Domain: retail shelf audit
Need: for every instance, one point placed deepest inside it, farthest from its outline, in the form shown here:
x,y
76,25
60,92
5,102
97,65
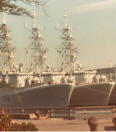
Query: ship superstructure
x,y
70,70
67,50
6,49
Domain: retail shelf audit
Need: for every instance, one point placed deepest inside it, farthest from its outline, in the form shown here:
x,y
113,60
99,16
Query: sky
x,y
93,24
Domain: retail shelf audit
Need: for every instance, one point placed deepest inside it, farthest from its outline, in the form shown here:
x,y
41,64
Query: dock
x,y
57,124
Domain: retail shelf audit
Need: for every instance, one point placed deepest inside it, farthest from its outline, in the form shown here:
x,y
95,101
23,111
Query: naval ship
x,y
38,87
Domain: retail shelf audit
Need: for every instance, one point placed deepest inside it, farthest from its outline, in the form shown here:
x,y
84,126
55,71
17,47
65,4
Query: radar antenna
x,y
65,19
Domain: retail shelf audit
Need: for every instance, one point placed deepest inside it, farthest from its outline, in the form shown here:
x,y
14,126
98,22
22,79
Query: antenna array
x,y
38,52
67,50
6,49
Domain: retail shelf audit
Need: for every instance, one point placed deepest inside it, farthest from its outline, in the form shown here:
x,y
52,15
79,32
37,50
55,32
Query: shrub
x,y
7,125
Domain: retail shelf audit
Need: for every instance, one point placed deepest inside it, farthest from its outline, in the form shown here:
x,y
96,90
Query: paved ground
x,y
68,125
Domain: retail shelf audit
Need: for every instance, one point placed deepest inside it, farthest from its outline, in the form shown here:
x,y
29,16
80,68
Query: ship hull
x,y
91,95
59,95
42,96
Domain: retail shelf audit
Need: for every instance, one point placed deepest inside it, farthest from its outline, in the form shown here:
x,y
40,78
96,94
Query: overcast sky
x,y
93,24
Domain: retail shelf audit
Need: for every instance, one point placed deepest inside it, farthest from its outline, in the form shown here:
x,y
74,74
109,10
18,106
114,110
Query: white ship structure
x,y
39,72
41,86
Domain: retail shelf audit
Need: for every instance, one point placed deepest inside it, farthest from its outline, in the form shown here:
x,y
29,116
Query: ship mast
x,y
67,50
38,52
6,49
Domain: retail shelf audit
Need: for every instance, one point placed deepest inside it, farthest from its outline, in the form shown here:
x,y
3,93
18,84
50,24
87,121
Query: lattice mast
x,y
67,50
6,49
38,52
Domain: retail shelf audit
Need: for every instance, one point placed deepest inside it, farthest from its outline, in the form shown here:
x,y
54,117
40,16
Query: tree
x,y
15,7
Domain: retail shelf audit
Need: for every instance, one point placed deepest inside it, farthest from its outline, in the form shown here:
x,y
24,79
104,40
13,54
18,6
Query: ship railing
x,y
82,113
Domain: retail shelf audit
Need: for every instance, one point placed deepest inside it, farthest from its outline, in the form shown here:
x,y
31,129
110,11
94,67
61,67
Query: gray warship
x,y
70,86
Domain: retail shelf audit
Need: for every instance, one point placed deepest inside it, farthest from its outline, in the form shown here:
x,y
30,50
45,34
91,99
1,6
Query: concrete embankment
x,y
68,125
